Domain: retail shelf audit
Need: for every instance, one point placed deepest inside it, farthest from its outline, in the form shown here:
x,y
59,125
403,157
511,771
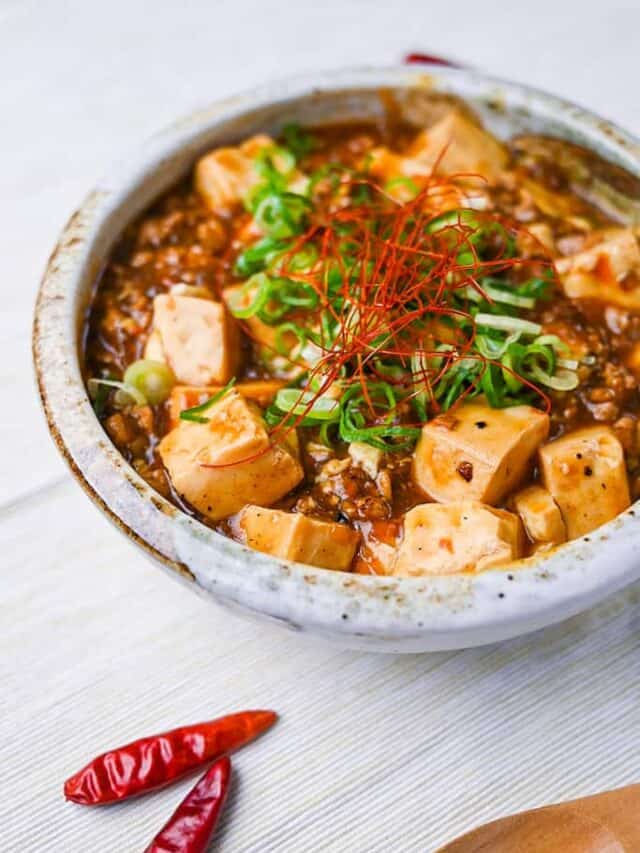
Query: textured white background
x,y
373,754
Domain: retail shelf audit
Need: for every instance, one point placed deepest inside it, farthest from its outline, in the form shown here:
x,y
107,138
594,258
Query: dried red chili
x,y
155,761
191,827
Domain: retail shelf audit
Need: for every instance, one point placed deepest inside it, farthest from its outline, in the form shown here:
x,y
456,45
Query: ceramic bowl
x,y
380,614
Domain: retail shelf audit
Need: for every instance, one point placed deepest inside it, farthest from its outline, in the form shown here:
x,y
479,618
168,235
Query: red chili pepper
x,y
155,761
191,827
428,59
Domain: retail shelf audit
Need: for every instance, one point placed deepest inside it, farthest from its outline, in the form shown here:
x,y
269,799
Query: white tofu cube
x,y
153,348
229,461
465,536
477,453
458,145
540,515
608,271
585,473
224,176
261,391
293,536
198,338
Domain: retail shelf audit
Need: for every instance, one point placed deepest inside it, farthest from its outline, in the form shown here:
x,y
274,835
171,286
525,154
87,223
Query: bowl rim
x,y
448,611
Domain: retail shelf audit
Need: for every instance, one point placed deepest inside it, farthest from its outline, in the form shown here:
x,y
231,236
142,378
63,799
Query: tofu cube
x,y
293,536
224,176
261,391
378,548
477,453
540,515
608,271
198,339
456,144
585,473
153,348
464,536
221,465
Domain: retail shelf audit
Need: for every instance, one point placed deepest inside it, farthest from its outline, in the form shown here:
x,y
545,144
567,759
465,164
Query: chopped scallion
x,y
195,413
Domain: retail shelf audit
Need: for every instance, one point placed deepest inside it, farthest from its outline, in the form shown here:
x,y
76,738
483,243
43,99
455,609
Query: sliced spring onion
x,y
494,348
552,341
419,368
510,371
99,396
299,141
562,380
498,294
489,384
153,379
543,356
129,393
290,329
410,187
274,158
451,219
281,215
461,376
195,413
296,402
255,258
251,297
311,354
384,436
507,324
568,363
304,260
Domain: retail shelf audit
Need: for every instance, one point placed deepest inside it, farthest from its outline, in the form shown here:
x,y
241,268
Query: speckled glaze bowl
x,y
379,614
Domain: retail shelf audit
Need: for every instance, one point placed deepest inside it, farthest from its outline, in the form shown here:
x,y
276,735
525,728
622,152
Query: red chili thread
x,y
399,263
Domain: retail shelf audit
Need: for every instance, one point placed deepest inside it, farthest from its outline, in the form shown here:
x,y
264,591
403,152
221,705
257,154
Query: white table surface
x,y
373,754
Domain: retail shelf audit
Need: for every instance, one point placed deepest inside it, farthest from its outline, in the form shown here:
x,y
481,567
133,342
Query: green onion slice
x,y
498,294
282,215
405,183
153,379
130,391
296,402
251,297
562,380
258,256
507,324
195,412
299,141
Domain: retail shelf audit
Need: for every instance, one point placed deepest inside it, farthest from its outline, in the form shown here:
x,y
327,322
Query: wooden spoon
x,y
604,823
